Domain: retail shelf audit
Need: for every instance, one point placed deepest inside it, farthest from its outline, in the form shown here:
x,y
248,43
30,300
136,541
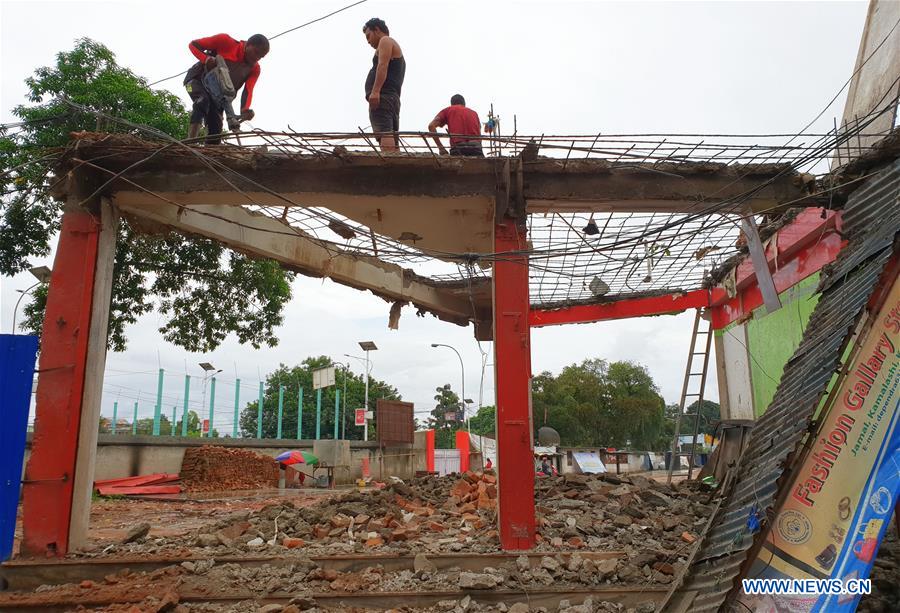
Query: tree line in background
x,y
602,404
592,404
145,425
297,377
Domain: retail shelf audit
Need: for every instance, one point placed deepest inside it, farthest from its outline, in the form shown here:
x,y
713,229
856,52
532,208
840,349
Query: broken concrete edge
x,y
625,185
405,278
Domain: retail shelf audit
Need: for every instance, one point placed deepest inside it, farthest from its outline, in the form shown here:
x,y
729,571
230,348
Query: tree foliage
x,y
597,403
296,377
202,291
484,421
448,402
709,416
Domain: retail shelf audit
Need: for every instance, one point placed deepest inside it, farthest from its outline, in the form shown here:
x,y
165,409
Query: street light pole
x,y
16,308
366,346
207,369
42,274
366,401
462,369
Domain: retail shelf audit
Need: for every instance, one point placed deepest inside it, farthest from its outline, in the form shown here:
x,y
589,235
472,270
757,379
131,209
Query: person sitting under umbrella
x,y
295,458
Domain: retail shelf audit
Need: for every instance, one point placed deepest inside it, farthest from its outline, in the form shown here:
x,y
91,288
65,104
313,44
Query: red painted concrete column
x,y
47,489
512,371
462,443
429,450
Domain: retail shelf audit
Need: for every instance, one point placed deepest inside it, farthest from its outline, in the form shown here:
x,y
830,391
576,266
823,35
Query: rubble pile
x,y
654,523
211,468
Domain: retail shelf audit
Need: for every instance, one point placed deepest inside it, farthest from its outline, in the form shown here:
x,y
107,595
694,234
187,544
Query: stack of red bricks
x,y
473,491
209,469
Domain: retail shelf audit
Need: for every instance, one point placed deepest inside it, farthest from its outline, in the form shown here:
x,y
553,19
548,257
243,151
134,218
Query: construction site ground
x,y
606,543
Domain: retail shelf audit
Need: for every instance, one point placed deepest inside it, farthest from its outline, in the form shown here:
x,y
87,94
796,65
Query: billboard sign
x,y
323,377
839,502
360,417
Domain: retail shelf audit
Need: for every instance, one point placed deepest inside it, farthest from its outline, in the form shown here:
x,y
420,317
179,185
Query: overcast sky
x,y
560,67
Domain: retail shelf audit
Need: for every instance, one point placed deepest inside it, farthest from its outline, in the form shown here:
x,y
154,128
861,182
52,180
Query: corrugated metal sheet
x,y
871,219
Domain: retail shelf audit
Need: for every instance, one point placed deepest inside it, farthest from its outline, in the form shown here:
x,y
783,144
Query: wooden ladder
x,y
704,339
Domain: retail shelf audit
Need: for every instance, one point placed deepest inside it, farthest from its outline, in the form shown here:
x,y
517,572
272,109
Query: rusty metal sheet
x,y
871,220
395,423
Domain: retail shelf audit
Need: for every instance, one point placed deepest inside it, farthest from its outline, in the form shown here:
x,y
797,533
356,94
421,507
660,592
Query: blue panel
x,y
17,356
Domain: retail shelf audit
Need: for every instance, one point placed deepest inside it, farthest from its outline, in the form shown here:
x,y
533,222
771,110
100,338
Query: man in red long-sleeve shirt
x,y
242,58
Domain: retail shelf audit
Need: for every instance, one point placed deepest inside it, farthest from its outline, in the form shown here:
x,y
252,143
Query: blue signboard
x,y
17,356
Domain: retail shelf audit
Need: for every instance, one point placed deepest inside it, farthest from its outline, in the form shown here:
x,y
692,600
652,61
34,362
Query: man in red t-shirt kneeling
x,y
463,126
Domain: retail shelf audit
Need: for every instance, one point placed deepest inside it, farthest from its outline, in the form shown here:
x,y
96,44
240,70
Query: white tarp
x,y
487,446
589,462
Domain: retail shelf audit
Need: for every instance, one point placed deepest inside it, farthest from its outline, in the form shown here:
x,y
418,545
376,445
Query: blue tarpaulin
x,y
17,356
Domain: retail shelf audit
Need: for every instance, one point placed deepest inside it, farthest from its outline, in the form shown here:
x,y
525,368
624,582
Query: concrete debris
x,y
646,520
478,581
421,564
137,532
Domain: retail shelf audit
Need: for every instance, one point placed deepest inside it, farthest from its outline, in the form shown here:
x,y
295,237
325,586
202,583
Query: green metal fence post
x,y
184,413
318,413
280,408
174,412
237,400
115,416
134,422
259,408
157,410
212,404
337,408
299,412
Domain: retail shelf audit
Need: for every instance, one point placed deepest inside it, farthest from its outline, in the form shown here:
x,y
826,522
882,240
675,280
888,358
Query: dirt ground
x,y
178,515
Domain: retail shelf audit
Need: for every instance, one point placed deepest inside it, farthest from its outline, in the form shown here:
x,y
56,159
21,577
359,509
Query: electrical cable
x,y
308,23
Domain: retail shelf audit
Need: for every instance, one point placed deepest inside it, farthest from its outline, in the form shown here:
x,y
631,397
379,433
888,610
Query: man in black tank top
x,y
383,84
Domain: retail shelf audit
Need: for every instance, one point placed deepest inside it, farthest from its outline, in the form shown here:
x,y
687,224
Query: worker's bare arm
x,y
436,123
385,50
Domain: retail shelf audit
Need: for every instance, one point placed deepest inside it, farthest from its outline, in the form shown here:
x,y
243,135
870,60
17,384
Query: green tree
x,y
445,429
293,378
598,403
202,291
194,428
484,421
709,416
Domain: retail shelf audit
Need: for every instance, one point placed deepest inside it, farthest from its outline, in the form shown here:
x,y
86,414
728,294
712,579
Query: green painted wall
x,y
773,338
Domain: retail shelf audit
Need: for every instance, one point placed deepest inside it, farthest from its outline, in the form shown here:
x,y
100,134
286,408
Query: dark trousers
x,y
467,149
205,111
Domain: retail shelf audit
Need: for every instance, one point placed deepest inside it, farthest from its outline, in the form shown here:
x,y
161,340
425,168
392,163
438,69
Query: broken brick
x,y
664,567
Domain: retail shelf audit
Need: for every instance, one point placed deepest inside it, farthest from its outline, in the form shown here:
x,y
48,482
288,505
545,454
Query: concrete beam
x,y
547,184
264,236
440,224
